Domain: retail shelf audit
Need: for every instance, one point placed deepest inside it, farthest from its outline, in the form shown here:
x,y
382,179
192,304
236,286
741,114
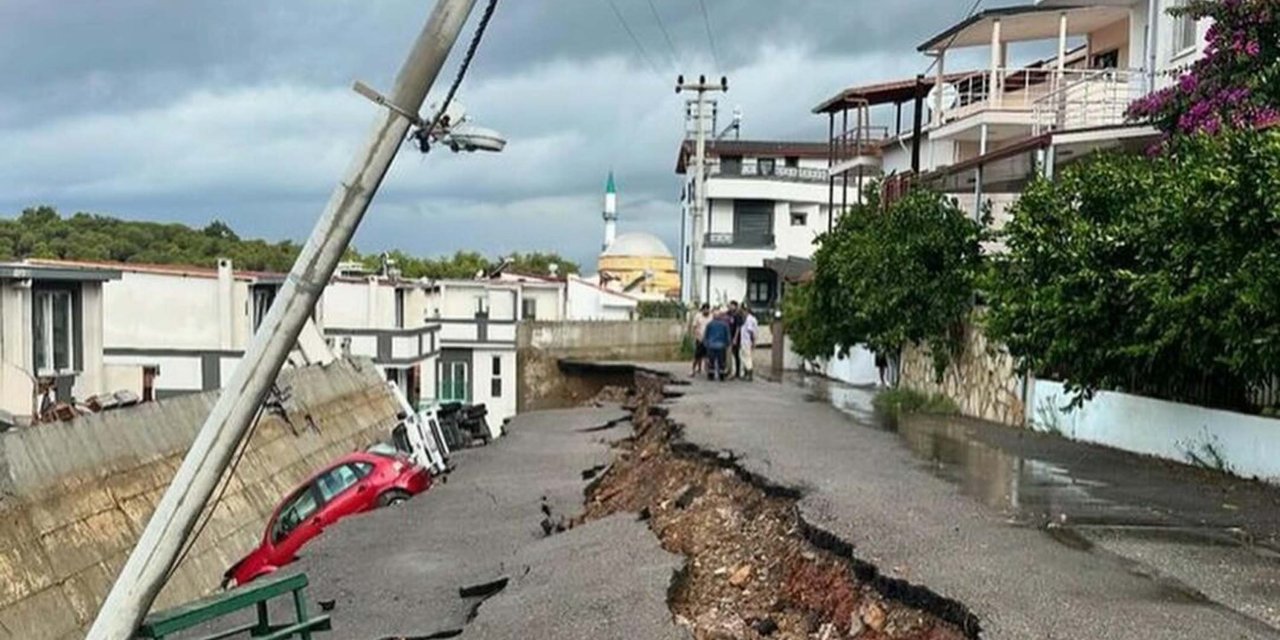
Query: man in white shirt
x,y
747,340
700,322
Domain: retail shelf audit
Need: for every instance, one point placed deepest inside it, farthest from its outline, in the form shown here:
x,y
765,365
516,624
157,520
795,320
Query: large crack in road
x,y
754,568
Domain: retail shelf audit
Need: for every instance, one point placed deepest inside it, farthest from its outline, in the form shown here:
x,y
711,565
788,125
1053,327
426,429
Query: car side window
x,y
363,469
335,481
299,508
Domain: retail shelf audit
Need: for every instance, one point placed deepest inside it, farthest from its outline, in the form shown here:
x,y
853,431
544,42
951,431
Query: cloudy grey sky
x,y
242,110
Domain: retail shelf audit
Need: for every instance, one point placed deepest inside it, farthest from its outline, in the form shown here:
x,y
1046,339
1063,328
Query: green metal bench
x,y
255,594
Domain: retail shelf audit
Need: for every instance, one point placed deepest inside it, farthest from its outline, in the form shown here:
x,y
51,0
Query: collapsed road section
x,y
753,567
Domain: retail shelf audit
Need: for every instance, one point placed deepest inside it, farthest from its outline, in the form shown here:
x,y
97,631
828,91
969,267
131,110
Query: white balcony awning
x,y
1022,24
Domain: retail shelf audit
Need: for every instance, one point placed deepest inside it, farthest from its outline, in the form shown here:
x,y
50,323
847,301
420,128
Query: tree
x,y
1154,275
885,279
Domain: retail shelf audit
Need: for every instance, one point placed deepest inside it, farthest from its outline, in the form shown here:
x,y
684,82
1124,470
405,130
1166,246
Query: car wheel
x,y
392,498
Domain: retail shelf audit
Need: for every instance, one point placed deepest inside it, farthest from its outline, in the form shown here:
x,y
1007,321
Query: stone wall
x,y
75,496
541,345
981,380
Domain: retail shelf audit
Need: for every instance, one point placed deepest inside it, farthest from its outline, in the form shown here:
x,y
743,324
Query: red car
x,y
353,484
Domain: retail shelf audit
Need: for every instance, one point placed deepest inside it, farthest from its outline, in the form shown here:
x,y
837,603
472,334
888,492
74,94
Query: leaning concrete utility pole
x,y
157,551
699,179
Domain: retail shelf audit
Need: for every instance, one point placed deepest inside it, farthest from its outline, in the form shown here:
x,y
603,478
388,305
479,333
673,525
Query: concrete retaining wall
x,y
75,496
980,380
540,345
1241,444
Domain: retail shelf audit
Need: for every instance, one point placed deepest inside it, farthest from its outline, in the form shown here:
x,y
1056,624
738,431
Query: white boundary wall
x,y
1248,445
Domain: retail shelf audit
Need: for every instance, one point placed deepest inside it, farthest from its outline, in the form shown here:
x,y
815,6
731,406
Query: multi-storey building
x,y
985,131
765,201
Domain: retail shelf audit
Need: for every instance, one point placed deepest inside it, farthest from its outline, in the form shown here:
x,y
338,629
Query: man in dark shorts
x,y
735,324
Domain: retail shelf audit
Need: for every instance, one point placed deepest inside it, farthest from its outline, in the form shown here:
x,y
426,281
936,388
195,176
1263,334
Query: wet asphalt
x,y
1040,537
397,572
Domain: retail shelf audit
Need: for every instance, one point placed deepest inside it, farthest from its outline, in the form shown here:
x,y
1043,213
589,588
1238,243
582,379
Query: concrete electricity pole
x,y
153,558
700,157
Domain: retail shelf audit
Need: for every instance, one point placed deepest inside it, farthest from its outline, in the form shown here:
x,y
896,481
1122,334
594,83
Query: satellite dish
x,y
950,96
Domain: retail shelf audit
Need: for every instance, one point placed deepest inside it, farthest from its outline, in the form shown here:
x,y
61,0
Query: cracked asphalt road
x,y
396,572
896,502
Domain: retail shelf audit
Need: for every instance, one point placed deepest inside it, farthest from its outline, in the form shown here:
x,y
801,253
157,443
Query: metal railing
x,y
774,172
735,241
1096,98
1074,97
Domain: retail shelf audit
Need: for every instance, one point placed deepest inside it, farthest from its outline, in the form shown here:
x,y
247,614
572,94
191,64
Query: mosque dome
x,y
638,245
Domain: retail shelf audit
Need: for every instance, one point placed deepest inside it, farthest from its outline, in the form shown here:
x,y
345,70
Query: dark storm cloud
x,y
241,109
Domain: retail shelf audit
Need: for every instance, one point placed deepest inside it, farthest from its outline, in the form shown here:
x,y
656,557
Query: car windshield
x,y
298,508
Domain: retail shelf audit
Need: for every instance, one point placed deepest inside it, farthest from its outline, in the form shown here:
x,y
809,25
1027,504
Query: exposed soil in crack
x,y
754,568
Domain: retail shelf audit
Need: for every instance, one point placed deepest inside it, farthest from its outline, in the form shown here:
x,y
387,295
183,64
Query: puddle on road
x,y
1081,487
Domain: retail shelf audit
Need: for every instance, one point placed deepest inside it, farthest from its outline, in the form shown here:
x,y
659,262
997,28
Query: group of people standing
x,y
724,338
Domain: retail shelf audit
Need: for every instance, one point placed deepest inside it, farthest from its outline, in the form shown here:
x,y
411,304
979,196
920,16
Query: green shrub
x,y
900,401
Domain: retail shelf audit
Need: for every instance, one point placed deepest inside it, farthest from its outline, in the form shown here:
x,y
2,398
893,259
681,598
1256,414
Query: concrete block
x,y
45,615
88,542
57,509
24,566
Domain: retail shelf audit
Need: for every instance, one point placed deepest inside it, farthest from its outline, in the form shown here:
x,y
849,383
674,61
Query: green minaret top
x,y
608,187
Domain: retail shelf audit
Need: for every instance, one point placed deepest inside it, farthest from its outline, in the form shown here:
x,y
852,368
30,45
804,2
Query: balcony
x,y
738,241
1088,98
1036,100
769,172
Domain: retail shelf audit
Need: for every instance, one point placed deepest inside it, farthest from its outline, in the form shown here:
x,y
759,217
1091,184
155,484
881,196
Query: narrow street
x,y
956,528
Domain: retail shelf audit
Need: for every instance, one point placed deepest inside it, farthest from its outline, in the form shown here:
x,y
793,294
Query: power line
x,y
706,21
626,27
666,36
424,135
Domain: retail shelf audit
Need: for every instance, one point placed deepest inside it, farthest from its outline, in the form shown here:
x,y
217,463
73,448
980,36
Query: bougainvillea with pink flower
x,y
1236,84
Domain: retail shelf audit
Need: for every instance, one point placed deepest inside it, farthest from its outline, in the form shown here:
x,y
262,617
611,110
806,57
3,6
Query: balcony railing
x,y
770,172
1096,98
1074,97
738,241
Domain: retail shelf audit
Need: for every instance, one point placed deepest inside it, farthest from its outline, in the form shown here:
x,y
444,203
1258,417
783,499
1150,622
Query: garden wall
x,y
981,379
75,496
1242,444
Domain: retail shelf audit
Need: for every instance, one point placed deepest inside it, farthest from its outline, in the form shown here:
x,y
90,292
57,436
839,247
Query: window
x,y
52,327
760,288
453,382
529,309
363,469
482,305
765,166
495,384
336,481
799,218
263,296
399,308
793,161
731,165
1105,60
299,508
1184,31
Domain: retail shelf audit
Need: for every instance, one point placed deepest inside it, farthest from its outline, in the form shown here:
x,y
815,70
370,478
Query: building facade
x,y
51,337
764,201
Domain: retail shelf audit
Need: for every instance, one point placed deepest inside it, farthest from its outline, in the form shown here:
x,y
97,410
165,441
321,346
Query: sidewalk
x,y
1040,537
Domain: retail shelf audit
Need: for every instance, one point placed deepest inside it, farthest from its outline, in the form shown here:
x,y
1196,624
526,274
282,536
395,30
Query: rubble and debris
x,y
753,568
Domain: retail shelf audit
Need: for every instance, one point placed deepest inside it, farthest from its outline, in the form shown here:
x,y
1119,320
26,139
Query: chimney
x,y
226,304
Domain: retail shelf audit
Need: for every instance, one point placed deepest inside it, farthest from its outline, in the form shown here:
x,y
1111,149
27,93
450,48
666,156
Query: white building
x,y
764,201
51,336
991,127
587,300
477,319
